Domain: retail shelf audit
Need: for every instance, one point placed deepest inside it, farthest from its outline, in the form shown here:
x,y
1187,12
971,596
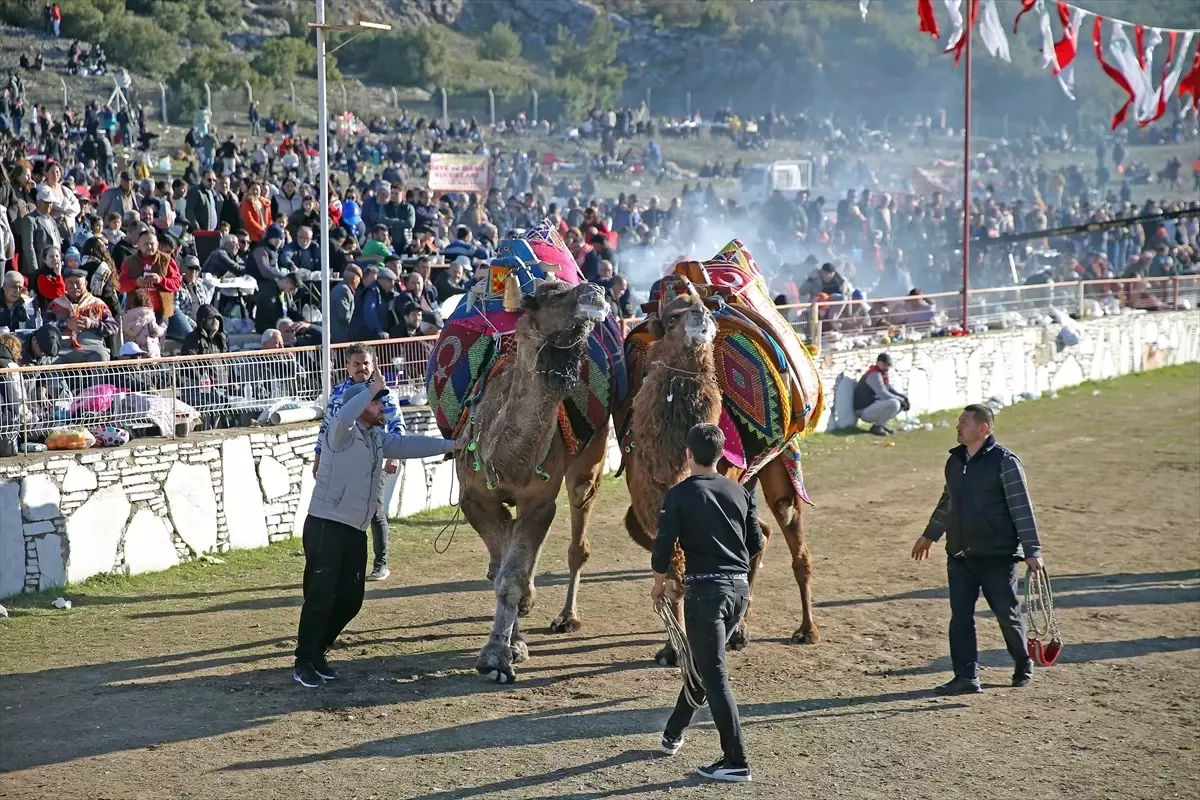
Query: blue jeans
x,y
997,579
712,610
179,325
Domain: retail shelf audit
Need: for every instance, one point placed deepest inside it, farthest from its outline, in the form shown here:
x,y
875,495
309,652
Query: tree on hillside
x,y
500,43
587,74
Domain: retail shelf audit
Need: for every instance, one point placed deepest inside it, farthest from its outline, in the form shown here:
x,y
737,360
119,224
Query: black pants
x,y
335,562
711,612
997,578
379,532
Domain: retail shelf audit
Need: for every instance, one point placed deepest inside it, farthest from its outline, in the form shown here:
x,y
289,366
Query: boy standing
x,y
715,522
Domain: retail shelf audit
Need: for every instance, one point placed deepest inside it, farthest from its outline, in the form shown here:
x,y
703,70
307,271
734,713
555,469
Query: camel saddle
x,y
478,340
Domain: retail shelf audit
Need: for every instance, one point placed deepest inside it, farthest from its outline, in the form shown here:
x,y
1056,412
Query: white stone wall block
x,y
12,542
39,498
242,497
52,565
148,545
275,479
93,532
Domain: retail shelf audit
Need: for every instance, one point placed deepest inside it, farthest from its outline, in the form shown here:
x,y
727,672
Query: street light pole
x,y
323,161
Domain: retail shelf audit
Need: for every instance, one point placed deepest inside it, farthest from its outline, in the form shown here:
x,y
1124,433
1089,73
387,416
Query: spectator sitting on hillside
x,y
452,280
85,318
464,245
919,312
50,284
302,253
833,283
224,260
620,298
298,334
154,270
139,325
14,313
378,247
410,320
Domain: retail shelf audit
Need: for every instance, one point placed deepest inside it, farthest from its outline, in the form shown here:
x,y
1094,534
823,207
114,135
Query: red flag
x,y
957,47
1026,7
1064,48
1112,72
1139,34
1191,83
928,22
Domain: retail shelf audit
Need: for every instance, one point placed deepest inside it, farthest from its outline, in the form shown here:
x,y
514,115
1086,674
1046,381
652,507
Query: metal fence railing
x,y
175,395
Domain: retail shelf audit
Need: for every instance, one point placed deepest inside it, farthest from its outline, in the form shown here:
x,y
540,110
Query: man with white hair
x,y
272,339
14,314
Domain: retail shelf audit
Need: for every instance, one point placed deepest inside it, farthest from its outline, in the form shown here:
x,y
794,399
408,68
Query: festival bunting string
x,y
1130,65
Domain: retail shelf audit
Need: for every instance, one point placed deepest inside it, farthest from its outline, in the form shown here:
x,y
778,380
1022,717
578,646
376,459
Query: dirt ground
x,y
178,685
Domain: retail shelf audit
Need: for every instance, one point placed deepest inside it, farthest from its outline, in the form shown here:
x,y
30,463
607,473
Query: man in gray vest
x,y
354,446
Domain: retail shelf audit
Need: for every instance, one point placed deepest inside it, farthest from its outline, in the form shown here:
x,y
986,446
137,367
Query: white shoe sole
x,y
669,751
723,777
296,677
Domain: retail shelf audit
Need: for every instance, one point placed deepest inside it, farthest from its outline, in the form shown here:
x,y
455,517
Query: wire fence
x,y
176,395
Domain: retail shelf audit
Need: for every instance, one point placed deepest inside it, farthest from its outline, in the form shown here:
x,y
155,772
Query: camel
x,y
518,460
680,390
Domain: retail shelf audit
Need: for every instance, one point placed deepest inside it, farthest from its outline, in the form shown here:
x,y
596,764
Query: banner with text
x,y
456,172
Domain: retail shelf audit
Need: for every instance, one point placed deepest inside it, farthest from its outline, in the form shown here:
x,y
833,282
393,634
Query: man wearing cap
x,y
344,501
38,232
193,292
875,401
154,270
341,304
118,199
85,318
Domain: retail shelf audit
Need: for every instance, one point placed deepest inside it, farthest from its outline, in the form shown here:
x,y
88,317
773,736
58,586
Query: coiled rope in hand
x,y
693,689
1041,620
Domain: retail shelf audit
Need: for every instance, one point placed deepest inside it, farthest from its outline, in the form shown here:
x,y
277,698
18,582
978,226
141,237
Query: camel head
x,y
686,320
558,321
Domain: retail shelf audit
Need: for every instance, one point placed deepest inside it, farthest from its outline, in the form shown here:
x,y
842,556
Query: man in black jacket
x,y
715,522
987,518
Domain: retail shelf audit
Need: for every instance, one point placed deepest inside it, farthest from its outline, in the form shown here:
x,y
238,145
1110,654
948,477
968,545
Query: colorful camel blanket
x,y
771,390
479,338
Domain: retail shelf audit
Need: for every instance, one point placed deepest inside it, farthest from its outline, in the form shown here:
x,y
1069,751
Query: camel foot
x,y
666,657
520,651
808,635
491,575
496,660
566,623
739,639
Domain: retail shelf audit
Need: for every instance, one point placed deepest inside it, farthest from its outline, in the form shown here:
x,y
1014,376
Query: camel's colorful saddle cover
x,y
479,333
771,389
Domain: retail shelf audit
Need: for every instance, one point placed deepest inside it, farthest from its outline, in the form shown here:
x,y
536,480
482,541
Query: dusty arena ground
x,y
178,685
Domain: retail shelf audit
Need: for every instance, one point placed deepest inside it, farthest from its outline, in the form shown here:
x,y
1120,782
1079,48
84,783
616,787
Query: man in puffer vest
x,y
354,446
987,518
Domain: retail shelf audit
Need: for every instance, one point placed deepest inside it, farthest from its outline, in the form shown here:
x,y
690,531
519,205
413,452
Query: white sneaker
x,y
379,574
670,746
720,771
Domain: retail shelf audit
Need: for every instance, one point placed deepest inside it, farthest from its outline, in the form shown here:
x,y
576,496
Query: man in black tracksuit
x,y
715,522
988,521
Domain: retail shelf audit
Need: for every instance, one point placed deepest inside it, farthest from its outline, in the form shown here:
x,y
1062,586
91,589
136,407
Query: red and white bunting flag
x,y
991,32
958,40
862,8
1175,62
927,21
1026,7
1066,48
1049,60
1124,71
1189,85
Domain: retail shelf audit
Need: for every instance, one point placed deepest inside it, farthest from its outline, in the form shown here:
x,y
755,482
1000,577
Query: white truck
x,y
760,180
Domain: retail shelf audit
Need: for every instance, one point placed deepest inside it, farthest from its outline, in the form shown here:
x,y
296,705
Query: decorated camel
x,y
530,366
713,349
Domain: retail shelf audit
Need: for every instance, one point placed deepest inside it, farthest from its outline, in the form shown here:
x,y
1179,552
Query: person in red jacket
x,y
49,284
153,270
256,212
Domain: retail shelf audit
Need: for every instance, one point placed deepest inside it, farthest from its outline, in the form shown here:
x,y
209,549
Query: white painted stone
x,y
39,498
148,546
413,490
93,532
12,542
307,484
241,495
38,528
193,505
442,483
1069,373
275,479
50,561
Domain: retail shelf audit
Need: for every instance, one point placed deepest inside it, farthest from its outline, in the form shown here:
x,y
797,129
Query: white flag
x,y
1125,60
1167,90
1066,75
1049,59
991,32
862,7
954,9
1148,105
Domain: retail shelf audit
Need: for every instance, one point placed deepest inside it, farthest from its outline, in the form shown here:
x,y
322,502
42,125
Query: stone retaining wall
x,y
65,517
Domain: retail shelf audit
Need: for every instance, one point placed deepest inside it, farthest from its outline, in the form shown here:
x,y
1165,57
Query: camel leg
x,y
788,510
741,634
514,587
516,643
491,519
583,483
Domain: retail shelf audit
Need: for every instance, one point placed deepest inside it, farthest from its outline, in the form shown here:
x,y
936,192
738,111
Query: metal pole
x,y
64,91
395,98
345,100
689,105
323,161
535,106
492,107
445,107
249,93
293,94
966,248
647,101
207,97
162,94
